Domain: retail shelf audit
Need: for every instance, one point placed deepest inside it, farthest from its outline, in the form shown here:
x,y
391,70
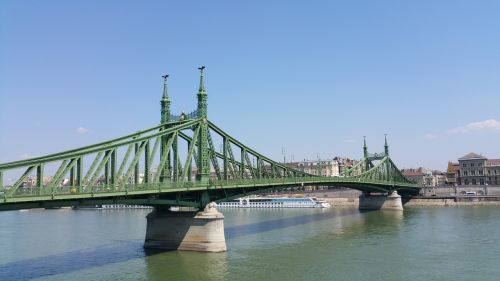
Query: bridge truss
x,y
185,161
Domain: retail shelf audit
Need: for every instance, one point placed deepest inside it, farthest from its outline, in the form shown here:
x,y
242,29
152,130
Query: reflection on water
x,y
70,261
373,223
280,222
178,265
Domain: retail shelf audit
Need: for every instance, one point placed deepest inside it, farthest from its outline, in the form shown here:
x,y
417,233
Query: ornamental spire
x,y
202,96
365,148
203,161
165,102
202,82
386,146
165,90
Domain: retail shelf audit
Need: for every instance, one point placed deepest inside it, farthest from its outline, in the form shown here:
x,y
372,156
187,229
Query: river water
x,y
263,244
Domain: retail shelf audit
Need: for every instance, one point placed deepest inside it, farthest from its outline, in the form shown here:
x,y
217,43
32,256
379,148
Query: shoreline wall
x,y
419,202
453,202
446,197
352,200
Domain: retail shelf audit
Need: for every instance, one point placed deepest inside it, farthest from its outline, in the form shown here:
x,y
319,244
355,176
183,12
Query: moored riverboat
x,y
275,202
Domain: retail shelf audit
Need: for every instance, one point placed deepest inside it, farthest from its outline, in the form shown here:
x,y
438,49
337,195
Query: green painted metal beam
x,y
132,166
39,175
132,138
187,164
90,171
165,156
97,172
20,181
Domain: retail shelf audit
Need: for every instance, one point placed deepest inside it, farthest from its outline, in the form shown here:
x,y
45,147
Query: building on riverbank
x,y
452,173
425,177
324,167
476,169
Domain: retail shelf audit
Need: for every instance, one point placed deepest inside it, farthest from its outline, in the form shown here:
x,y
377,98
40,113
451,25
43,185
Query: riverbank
x,y
468,201
350,199
422,202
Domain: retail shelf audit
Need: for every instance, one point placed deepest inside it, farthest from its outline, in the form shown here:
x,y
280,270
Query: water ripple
x,y
71,261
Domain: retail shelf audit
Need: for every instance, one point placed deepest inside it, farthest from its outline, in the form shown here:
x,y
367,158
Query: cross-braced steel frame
x,y
174,163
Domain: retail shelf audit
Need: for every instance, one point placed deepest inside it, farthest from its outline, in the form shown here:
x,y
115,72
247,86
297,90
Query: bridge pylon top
x,y
201,90
386,146
375,156
165,84
202,96
365,148
165,101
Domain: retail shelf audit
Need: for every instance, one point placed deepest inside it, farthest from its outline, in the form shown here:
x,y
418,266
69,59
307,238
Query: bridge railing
x,y
194,185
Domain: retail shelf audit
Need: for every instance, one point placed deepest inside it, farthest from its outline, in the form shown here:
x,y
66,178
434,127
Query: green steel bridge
x,y
175,163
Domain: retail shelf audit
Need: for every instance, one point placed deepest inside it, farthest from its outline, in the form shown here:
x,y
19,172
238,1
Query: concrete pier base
x,y
186,231
381,202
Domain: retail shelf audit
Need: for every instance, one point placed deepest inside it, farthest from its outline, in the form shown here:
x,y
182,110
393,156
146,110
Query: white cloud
x,y
490,125
431,136
81,130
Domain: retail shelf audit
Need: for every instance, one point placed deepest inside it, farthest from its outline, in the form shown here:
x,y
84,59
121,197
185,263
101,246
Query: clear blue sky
x,y
311,77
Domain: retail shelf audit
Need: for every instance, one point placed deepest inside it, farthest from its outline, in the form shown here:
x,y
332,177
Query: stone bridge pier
x,y
201,231
392,201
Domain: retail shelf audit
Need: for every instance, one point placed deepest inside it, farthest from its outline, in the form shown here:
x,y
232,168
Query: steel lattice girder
x,y
235,178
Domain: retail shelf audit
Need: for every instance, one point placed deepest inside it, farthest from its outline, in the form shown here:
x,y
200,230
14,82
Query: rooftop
x,y
472,155
493,162
414,172
452,167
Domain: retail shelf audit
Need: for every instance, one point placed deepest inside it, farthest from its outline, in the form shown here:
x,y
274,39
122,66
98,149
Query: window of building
x,y
472,173
465,173
481,182
464,165
466,182
472,164
473,181
479,164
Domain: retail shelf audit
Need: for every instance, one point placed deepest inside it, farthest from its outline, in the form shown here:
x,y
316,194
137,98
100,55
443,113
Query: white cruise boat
x,y
112,206
275,202
124,206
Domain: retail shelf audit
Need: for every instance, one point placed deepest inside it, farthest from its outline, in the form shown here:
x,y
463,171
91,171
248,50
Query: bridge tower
x,y
201,230
386,154
365,155
203,172
165,118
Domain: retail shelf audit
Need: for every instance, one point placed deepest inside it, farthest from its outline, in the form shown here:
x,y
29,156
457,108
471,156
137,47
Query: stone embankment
x,y
453,201
423,202
438,197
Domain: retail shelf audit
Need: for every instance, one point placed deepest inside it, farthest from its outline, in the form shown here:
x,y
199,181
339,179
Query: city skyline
x,y
310,79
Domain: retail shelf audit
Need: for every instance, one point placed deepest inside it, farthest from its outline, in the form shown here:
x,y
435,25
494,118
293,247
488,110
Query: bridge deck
x,y
173,193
